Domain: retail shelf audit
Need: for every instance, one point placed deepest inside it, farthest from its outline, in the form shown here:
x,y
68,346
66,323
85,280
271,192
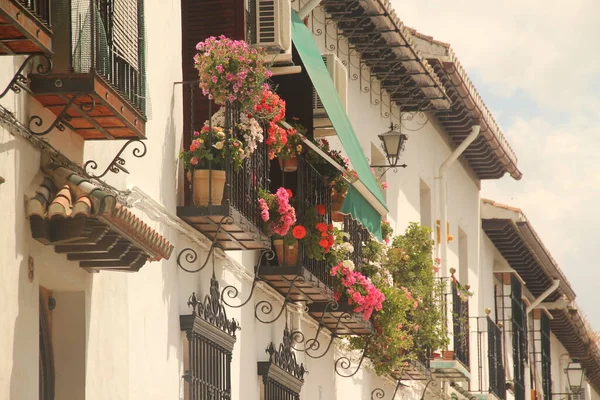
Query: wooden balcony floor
x,y
306,286
21,32
239,235
110,117
336,323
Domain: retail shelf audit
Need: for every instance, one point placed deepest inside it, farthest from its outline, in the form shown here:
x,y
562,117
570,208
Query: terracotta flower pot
x,y
202,177
448,355
291,252
336,205
289,164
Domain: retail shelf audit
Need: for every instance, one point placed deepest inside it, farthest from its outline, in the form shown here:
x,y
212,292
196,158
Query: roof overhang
x,y
490,156
379,37
516,240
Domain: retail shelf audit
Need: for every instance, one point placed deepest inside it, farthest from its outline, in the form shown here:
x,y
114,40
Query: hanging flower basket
x,y
230,70
287,253
289,164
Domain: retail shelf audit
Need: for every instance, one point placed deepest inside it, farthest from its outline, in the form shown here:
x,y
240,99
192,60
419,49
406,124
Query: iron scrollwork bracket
x,y
232,292
117,164
62,119
19,81
265,307
379,393
190,256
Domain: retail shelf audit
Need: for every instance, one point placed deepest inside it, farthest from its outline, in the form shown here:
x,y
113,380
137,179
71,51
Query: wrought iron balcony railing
x,y
357,235
488,343
39,8
460,325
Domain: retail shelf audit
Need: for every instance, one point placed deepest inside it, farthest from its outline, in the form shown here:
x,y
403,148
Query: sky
x,y
536,63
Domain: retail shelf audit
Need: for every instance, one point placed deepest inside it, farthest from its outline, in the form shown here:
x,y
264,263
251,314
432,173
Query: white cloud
x,y
544,51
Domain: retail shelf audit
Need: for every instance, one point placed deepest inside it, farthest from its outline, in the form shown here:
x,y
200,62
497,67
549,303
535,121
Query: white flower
x,y
349,264
347,247
218,145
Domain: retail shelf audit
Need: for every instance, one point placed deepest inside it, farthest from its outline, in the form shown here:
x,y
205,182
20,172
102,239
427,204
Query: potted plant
x,y
358,291
230,70
205,162
286,246
279,216
320,236
288,155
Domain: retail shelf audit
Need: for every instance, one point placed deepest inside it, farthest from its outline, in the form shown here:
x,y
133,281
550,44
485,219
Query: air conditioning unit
x,y
339,76
274,30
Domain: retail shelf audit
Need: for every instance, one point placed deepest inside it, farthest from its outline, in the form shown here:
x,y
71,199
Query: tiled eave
x,y
516,240
573,331
90,226
490,156
374,31
518,253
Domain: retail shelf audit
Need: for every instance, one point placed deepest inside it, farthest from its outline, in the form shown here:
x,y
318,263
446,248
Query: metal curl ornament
x,y
19,81
266,308
344,363
117,164
191,256
379,393
233,292
59,123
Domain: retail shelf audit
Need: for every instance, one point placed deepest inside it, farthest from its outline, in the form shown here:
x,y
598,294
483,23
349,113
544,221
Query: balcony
x,y
97,84
25,27
309,279
454,365
233,221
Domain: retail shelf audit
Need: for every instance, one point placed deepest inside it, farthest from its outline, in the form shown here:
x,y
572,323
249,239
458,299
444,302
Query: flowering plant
x,y
277,138
246,128
230,70
409,260
359,290
293,147
386,231
320,236
210,148
271,107
275,209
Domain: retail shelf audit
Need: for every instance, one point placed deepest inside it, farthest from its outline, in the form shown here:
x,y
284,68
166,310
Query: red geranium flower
x,y
321,209
299,232
321,227
324,243
289,193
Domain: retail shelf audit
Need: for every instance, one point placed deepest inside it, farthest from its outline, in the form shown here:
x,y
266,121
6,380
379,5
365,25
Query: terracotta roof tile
x,y
79,197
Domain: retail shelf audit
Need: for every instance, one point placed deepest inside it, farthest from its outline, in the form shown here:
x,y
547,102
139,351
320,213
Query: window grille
x,y
546,362
282,375
211,336
497,377
519,337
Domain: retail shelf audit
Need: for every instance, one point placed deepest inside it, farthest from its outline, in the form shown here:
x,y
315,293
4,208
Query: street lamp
x,y
392,143
574,373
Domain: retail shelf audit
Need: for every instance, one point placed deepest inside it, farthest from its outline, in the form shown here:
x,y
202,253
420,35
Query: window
x,y
496,368
546,363
463,257
519,337
460,314
46,383
425,204
282,376
210,338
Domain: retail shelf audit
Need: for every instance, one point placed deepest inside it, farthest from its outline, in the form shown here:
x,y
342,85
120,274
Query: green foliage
x,y
410,262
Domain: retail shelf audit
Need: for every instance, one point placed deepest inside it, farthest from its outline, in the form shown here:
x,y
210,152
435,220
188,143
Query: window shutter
x,y
126,31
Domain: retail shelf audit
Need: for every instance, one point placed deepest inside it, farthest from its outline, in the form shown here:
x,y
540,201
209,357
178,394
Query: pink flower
x,y
400,325
214,79
415,305
196,133
417,327
193,161
384,185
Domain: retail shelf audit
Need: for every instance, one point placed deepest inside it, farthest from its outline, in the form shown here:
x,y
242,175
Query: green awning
x,y
356,203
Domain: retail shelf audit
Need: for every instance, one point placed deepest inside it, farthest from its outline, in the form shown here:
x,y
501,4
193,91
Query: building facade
x,y
116,285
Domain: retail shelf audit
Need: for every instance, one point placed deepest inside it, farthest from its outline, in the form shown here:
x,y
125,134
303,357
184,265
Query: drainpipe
x,y
308,7
443,193
543,296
